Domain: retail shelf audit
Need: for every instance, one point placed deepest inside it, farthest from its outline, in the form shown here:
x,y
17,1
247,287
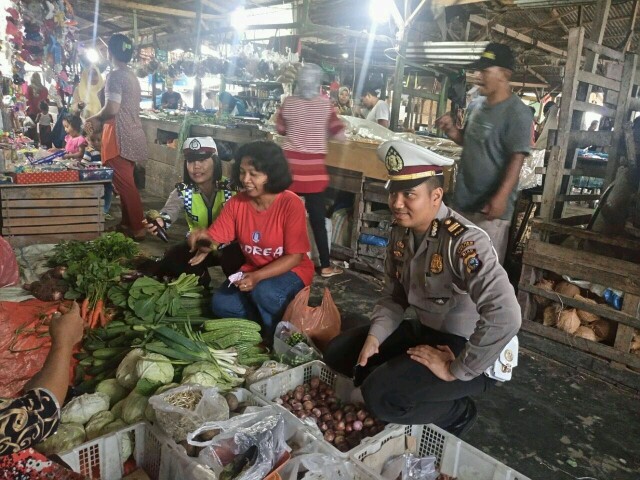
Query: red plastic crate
x,y
45,177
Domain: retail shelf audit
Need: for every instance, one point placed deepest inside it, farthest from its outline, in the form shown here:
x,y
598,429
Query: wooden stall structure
x,y
51,212
543,259
562,166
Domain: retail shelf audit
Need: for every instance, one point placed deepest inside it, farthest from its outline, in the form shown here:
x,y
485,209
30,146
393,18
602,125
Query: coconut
x,y
545,285
568,320
567,289
586,317
635,345
586,333
551,314
603,329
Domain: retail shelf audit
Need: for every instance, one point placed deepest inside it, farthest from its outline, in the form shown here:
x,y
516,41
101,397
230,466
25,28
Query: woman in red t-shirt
x,y
269,223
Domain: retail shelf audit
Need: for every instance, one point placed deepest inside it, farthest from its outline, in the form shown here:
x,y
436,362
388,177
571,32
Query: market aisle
x,y
590,427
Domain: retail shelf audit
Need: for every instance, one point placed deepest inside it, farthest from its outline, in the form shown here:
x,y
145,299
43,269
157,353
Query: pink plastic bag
x,y
9,273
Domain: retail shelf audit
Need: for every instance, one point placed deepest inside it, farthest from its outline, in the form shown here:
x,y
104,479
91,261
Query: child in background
x,y
75,143
44,120
92,157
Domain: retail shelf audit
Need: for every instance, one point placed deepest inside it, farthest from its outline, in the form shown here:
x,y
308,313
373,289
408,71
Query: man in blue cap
x,y
496,138
417,372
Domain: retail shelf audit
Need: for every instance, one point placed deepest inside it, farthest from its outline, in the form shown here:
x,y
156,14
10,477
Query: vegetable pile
x,y
344,425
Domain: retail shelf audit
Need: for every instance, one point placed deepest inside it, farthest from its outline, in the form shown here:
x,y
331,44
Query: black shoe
x,y
465,421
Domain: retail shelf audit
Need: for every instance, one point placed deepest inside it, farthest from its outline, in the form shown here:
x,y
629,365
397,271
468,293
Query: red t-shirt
x,y
266,236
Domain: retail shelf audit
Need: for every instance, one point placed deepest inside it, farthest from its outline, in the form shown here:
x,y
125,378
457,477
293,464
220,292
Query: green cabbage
x,y
112,388
197,367
133,408
114,426
126,446
117,409
82,408
150,413
126,372
68,436
154,368
96,424
201,378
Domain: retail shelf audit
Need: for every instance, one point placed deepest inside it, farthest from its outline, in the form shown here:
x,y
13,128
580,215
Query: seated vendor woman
x,y
35,416
269,223
200,198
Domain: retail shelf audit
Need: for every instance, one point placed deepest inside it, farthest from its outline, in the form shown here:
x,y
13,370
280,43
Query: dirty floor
x,y
550,422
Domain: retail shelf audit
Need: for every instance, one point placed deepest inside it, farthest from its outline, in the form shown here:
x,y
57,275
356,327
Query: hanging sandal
x,y
333,272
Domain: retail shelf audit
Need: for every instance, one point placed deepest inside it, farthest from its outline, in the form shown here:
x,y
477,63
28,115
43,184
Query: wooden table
x,y
51,212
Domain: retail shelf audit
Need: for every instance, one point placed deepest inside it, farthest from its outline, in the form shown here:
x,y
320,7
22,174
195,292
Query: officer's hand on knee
x,y
369,349
435,359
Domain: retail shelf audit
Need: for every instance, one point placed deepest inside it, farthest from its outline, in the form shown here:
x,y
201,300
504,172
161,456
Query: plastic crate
x,y
275,386
454,457
100,457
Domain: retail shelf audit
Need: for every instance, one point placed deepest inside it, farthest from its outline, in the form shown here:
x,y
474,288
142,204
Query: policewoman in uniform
x,y
200,199
418,372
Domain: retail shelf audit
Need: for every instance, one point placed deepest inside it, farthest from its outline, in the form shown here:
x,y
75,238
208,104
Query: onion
x,y
339,439
349,408
586,333
337,415
299,388
568,321
329,436
545,285
308,405
324,410
327,417
350,417
551,315
357,425
567,289
369,422
306,397
324,427
329,392
361,414
316,412
348,428
314,382
583,315
603,329
297,406
313,392
340,425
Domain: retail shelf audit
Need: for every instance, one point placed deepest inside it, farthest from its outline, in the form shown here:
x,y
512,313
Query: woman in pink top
x,y
268,222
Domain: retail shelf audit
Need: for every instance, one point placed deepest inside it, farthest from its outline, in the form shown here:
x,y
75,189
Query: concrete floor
x,y
550,422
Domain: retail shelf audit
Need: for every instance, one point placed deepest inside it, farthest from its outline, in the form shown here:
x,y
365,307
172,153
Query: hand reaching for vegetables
x,y
68,328
435,359
369,349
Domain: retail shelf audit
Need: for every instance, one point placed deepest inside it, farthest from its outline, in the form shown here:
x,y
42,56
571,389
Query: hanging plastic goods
x,y
613,297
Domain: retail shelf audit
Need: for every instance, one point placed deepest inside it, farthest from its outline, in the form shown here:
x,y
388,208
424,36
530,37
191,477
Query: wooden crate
x,y
373,221
50,213
541,259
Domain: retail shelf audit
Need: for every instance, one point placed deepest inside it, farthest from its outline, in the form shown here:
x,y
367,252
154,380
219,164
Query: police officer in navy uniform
x,y
424,371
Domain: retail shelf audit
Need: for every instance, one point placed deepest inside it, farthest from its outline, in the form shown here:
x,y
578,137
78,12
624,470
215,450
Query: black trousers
x,y
314,203
397,389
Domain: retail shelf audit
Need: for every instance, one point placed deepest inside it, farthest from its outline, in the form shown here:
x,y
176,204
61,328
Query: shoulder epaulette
x,y
454,227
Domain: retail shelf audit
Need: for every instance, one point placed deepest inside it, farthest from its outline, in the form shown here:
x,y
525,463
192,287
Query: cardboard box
x,y
63,176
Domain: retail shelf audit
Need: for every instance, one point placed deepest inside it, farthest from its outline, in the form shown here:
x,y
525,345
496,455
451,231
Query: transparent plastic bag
x,y
416,468
528,176
266,370
178,421
294,355
265,431
317,466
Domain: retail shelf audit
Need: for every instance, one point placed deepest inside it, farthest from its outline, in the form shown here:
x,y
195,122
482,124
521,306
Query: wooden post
x,y
197,89
555,169
444,90
622,115
591,59
398,84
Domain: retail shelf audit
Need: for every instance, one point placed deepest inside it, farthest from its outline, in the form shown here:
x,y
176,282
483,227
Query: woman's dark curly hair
x,y
268,158
75,121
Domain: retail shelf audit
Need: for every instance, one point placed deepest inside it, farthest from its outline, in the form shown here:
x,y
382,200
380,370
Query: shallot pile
x,y
344,424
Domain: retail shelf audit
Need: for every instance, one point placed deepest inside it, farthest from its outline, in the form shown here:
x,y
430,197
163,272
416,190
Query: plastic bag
x,y
297,354
318,466
177,421
321,323
9,273
416,468
528,176
265,432
266,370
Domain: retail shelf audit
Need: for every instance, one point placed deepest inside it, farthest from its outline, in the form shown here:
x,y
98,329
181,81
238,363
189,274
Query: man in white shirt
x,y
378,109
210,103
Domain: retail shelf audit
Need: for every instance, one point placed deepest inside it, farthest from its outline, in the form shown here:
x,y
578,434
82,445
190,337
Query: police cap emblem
x,y
393,161
194,144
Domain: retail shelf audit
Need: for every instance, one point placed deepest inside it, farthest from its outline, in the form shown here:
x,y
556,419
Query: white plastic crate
x,y
100,458
277,385
454,457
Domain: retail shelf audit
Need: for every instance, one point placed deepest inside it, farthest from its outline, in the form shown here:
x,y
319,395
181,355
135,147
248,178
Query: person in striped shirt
x,y
308,120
